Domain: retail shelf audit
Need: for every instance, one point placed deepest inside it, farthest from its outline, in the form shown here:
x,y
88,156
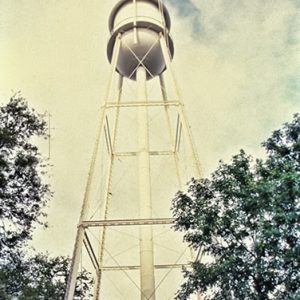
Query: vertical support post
x,y
71,284
135,37
181,111
175,155
107,193
146,234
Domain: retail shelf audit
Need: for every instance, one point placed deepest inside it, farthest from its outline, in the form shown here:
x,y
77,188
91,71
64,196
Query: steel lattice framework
x,y
140,50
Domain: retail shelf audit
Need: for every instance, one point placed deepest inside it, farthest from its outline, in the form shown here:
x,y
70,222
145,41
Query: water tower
x,y
140,51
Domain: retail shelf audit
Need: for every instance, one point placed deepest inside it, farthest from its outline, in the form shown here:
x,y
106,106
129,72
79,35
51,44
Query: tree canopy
x,y
40,277
22,191
23,196
245,222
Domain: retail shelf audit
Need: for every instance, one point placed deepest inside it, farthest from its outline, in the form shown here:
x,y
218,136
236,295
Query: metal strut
x,y
173,143
181,111
71,284
146,234
108,190
182,114
127,222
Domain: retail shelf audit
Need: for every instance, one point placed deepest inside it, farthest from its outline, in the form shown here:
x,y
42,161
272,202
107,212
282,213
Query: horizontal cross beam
x,y
141,103
133,268
152,153
127,222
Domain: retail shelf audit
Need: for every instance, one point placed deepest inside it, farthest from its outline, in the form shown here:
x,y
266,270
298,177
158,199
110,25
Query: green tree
x,y
245,220
40,277
22,192
23,195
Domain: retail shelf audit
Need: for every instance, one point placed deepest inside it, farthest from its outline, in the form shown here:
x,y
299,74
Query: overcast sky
x,y
237,63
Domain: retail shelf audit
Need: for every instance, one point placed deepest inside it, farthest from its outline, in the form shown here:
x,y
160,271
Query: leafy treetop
x,y
245,221
23,196
22,191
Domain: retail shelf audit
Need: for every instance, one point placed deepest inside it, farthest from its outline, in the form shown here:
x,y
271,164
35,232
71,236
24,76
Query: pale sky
x,y
237,63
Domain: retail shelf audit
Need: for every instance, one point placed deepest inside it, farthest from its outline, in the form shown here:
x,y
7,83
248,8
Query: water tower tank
x,y
140,23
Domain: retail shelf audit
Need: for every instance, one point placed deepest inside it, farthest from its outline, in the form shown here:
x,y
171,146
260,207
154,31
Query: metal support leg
x,y
182,113
107,194
175,155
69,295
146,234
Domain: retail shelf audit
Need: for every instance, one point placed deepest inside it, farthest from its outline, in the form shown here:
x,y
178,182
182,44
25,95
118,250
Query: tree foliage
x,y
40,277
246,221
23,195
22,192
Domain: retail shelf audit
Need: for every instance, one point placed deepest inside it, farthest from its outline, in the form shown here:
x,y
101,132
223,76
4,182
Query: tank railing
x,y
139,19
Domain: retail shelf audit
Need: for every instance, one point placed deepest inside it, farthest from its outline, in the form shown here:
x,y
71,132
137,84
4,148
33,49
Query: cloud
x,y
242,71
187,9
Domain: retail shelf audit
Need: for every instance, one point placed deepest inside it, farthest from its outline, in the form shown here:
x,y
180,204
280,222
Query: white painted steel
x,y
145,11
146,234
107,194
128,222
181,111
140,22
138,103
131,268
171,134
142,47
86,200
139,49
182,114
